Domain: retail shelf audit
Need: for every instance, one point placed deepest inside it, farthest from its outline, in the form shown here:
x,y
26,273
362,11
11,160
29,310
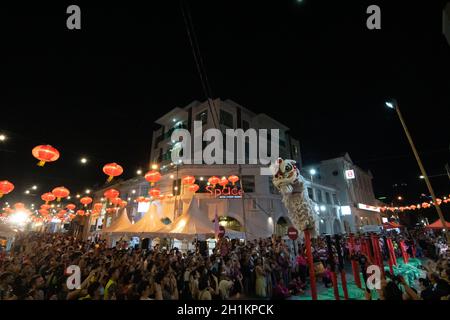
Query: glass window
x,y
335,199
327,197
245,125
226,119
202,116
311,194
248,183
319,195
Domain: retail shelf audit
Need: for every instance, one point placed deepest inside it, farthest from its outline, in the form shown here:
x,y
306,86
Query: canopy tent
x,y
149,223
192,223
121,223
438,225
6,231
391,225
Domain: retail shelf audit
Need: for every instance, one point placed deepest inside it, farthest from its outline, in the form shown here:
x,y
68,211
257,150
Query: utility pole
x,y
422,169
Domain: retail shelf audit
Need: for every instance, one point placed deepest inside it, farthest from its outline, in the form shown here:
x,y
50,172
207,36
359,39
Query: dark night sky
x,y
313,66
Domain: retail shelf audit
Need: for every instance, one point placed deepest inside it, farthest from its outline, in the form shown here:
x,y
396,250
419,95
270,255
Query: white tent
x,y
118,225
149,223
192,223
6,231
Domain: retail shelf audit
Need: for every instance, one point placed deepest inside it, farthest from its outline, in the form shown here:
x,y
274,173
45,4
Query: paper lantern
x,y
152,176
140,199
123,204
438,201
5,187
213,181
45,153
86,200
115,201
61,213
98,206
19,206
223,182
112,170
71,206
233,179
48,197
111,193
43,212
413,207
188,180
71,216
60,192
193,188
45,207
154,192
80,212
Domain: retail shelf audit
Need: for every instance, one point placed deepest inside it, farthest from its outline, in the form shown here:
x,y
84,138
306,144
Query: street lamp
x,y
139,171
392,104
2,137
312,173
83,160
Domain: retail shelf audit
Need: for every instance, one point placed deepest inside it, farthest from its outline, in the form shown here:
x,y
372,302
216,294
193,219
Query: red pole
x,y
404,254
355,268
344,284
379,253
335,285
391,249
312,276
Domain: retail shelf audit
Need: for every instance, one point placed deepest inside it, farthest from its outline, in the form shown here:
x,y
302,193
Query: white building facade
x,y
354,194
257,212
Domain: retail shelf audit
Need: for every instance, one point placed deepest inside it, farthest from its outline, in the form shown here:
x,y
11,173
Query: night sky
x,y
313,66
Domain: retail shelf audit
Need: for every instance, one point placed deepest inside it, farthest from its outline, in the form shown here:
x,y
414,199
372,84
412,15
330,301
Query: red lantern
x,y
233,179
45,153
43,212
123,204
152,176
424,204
194,188
71,216
223,182
80,212
188,180
48,197
5,187
60,192
86,200
98,206
112,170
45,207
438,201
111,193
413,207
61,213
213,181
115,201
71,206
140,199
19,206
155,192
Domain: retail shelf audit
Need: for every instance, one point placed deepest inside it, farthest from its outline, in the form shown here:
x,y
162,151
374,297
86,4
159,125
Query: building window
x,y
311,194
248,183
319,195
203,117
335,199
226,119
327,197
245,125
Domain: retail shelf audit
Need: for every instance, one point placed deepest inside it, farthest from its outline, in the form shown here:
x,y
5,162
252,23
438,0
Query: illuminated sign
x,y
345,211
226,193
367,207
143,207
350,174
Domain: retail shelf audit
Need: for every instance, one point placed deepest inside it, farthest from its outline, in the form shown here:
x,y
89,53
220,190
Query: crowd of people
x,y
36,269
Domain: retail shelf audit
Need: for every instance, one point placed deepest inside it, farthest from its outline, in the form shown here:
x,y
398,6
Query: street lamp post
x,y
393,105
